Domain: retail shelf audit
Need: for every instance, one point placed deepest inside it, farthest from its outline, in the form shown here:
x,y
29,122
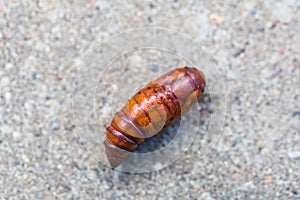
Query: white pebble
x,y
5,81
9,66
5,129
16,134
294,154
7,96
206,196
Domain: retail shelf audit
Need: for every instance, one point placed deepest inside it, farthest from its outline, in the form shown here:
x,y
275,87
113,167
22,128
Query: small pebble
x,y
253,12
268,179
296,113
295,192
281,51
151,5
238,53
215,18
154,68
5,81
39,134
16,163
294,154
56,128
9,66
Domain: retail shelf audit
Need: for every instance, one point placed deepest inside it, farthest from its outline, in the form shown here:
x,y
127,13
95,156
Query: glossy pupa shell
x,y
153,108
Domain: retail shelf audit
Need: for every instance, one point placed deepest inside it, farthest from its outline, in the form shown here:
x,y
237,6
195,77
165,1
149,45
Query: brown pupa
x,y
154,108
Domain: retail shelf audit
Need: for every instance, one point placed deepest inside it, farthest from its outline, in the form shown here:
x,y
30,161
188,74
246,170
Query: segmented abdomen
x,y
155,107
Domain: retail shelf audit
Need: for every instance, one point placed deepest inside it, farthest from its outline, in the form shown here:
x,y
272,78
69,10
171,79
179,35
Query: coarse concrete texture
x,y
256,47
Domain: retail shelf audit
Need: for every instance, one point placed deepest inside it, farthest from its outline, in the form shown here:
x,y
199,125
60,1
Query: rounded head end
x,y
198,76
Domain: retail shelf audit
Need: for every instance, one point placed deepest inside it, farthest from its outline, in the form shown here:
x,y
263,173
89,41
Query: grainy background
x,y
256,45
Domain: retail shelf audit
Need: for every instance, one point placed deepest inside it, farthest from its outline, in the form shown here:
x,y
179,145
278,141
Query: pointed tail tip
x,y
115,155
114,161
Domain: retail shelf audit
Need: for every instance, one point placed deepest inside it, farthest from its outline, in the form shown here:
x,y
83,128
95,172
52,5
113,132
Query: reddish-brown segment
x,y
154,108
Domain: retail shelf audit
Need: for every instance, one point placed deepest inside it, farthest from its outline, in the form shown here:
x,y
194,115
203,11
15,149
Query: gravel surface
x,y
256,47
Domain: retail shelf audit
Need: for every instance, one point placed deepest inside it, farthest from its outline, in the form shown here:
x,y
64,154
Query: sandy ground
x,y
255,45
